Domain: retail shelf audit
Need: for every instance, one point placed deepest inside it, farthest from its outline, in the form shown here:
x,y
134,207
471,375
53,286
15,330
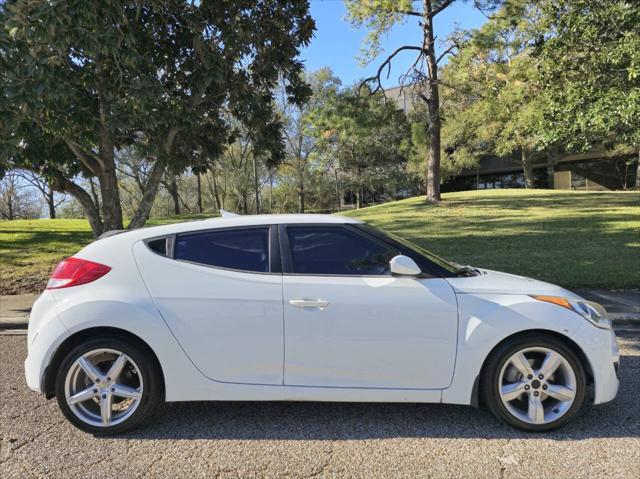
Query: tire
x,y
139,378
523,412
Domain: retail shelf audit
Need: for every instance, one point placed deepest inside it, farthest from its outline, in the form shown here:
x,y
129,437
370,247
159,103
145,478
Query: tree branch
x,y
86,159
410,12
446,52
387,62
441,7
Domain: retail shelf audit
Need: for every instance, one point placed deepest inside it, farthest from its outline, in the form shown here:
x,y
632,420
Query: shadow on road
x,y
358,421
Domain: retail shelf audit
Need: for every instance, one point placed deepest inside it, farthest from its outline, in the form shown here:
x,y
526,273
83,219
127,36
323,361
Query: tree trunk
x,y
255,184
94,193
527,169
271,193
10,213
338,202
148,196
301,195
51,202
109,192
216,193
550,173
91,209
244,207
173,191
638,173
199,192
433,108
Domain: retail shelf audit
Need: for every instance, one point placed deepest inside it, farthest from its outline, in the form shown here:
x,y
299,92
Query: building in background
x,y
594,170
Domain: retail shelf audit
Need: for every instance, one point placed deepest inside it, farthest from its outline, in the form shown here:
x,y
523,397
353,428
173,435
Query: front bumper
x,y
601,349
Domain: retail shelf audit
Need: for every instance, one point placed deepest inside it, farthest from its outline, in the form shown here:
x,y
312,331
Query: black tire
x,y
152,395
489,380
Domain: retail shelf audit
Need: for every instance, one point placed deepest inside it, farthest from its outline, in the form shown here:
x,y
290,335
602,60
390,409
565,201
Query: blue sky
x,y
337,44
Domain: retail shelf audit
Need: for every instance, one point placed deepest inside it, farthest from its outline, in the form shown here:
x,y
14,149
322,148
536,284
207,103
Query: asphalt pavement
x,y
252,439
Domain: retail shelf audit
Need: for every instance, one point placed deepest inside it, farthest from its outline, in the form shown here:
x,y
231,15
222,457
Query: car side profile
x,y
306,308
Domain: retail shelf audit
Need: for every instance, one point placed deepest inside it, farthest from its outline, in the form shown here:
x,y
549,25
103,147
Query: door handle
x,y
309,303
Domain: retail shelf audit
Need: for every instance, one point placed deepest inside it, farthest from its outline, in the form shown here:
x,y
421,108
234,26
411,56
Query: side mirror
x,y
404,266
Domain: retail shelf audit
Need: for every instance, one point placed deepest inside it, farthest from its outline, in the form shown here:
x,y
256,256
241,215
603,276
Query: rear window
x,y
162,246
238,249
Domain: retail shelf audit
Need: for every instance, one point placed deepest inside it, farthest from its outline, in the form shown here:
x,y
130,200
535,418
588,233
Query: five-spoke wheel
x,y
534,382
104,387
537,385
107,385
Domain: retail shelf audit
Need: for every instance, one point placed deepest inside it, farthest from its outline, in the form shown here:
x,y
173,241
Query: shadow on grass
x,y
361,421
585,200
29,244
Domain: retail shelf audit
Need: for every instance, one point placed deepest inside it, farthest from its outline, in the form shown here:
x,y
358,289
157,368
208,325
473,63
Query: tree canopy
x,y
86,79
591,72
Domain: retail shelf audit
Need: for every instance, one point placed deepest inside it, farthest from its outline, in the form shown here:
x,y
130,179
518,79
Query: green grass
x,y
575,239
29,249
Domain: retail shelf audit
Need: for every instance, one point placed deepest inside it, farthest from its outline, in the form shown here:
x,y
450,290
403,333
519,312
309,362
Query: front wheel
x,y
535,383
108,385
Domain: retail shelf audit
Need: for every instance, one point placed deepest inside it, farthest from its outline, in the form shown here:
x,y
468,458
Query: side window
x,y
161,246
336,251
241,249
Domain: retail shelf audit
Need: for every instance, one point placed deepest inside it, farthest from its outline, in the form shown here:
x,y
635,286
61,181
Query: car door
x,y
350,323
220,293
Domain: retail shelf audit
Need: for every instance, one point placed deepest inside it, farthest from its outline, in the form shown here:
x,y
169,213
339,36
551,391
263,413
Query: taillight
x,y
75,271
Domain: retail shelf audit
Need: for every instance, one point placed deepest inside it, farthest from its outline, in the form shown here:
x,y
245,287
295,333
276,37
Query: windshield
x,y
443,263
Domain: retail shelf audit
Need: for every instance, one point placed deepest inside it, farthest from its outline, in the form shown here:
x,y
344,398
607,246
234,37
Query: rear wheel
x,y
535,383
108,385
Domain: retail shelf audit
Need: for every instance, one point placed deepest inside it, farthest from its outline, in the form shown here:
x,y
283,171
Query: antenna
x,y
227,214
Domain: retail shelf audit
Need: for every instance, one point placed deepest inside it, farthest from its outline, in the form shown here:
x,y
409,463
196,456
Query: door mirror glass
x,y
403,265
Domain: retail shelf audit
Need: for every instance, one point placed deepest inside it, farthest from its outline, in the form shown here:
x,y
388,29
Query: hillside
x,y
576,239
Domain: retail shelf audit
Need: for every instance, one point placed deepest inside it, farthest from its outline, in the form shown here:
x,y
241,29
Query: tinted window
x,y
426,260
160,246
243,249
336,250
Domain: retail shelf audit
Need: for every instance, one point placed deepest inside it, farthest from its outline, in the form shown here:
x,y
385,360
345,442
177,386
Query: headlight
x,y
592,312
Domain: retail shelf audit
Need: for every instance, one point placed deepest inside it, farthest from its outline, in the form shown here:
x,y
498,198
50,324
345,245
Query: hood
x,y
504,283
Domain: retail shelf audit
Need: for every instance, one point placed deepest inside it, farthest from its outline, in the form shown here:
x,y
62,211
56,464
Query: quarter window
x,y
240,249
336,251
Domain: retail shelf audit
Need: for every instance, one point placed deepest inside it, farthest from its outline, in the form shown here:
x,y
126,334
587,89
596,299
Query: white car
x,y
306,308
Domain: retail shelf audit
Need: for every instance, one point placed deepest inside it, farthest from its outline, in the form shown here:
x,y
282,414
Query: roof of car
x,y
229,221
285,218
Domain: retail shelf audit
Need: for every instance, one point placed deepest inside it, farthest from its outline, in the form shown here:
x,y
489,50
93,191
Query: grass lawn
x,y
575,239
30,249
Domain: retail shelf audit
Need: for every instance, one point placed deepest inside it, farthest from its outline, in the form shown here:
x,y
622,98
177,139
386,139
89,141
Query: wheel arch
x,y
571,344
78,338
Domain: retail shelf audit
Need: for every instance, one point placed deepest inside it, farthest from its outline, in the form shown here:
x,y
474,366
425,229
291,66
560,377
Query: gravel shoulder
x,y
317,439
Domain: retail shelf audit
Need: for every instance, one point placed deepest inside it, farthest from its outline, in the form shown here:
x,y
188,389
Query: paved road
x,y
317,439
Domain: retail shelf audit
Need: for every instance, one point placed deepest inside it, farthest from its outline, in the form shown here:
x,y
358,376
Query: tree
x,y
45,188
299,139
495,106
591,70
16,200
363,135
91,78
380,16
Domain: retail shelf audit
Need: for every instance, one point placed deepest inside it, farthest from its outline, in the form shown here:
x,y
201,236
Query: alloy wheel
x,y
537,385
103,387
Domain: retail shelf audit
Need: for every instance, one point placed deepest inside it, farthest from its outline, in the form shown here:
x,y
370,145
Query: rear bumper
x,y
46,333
